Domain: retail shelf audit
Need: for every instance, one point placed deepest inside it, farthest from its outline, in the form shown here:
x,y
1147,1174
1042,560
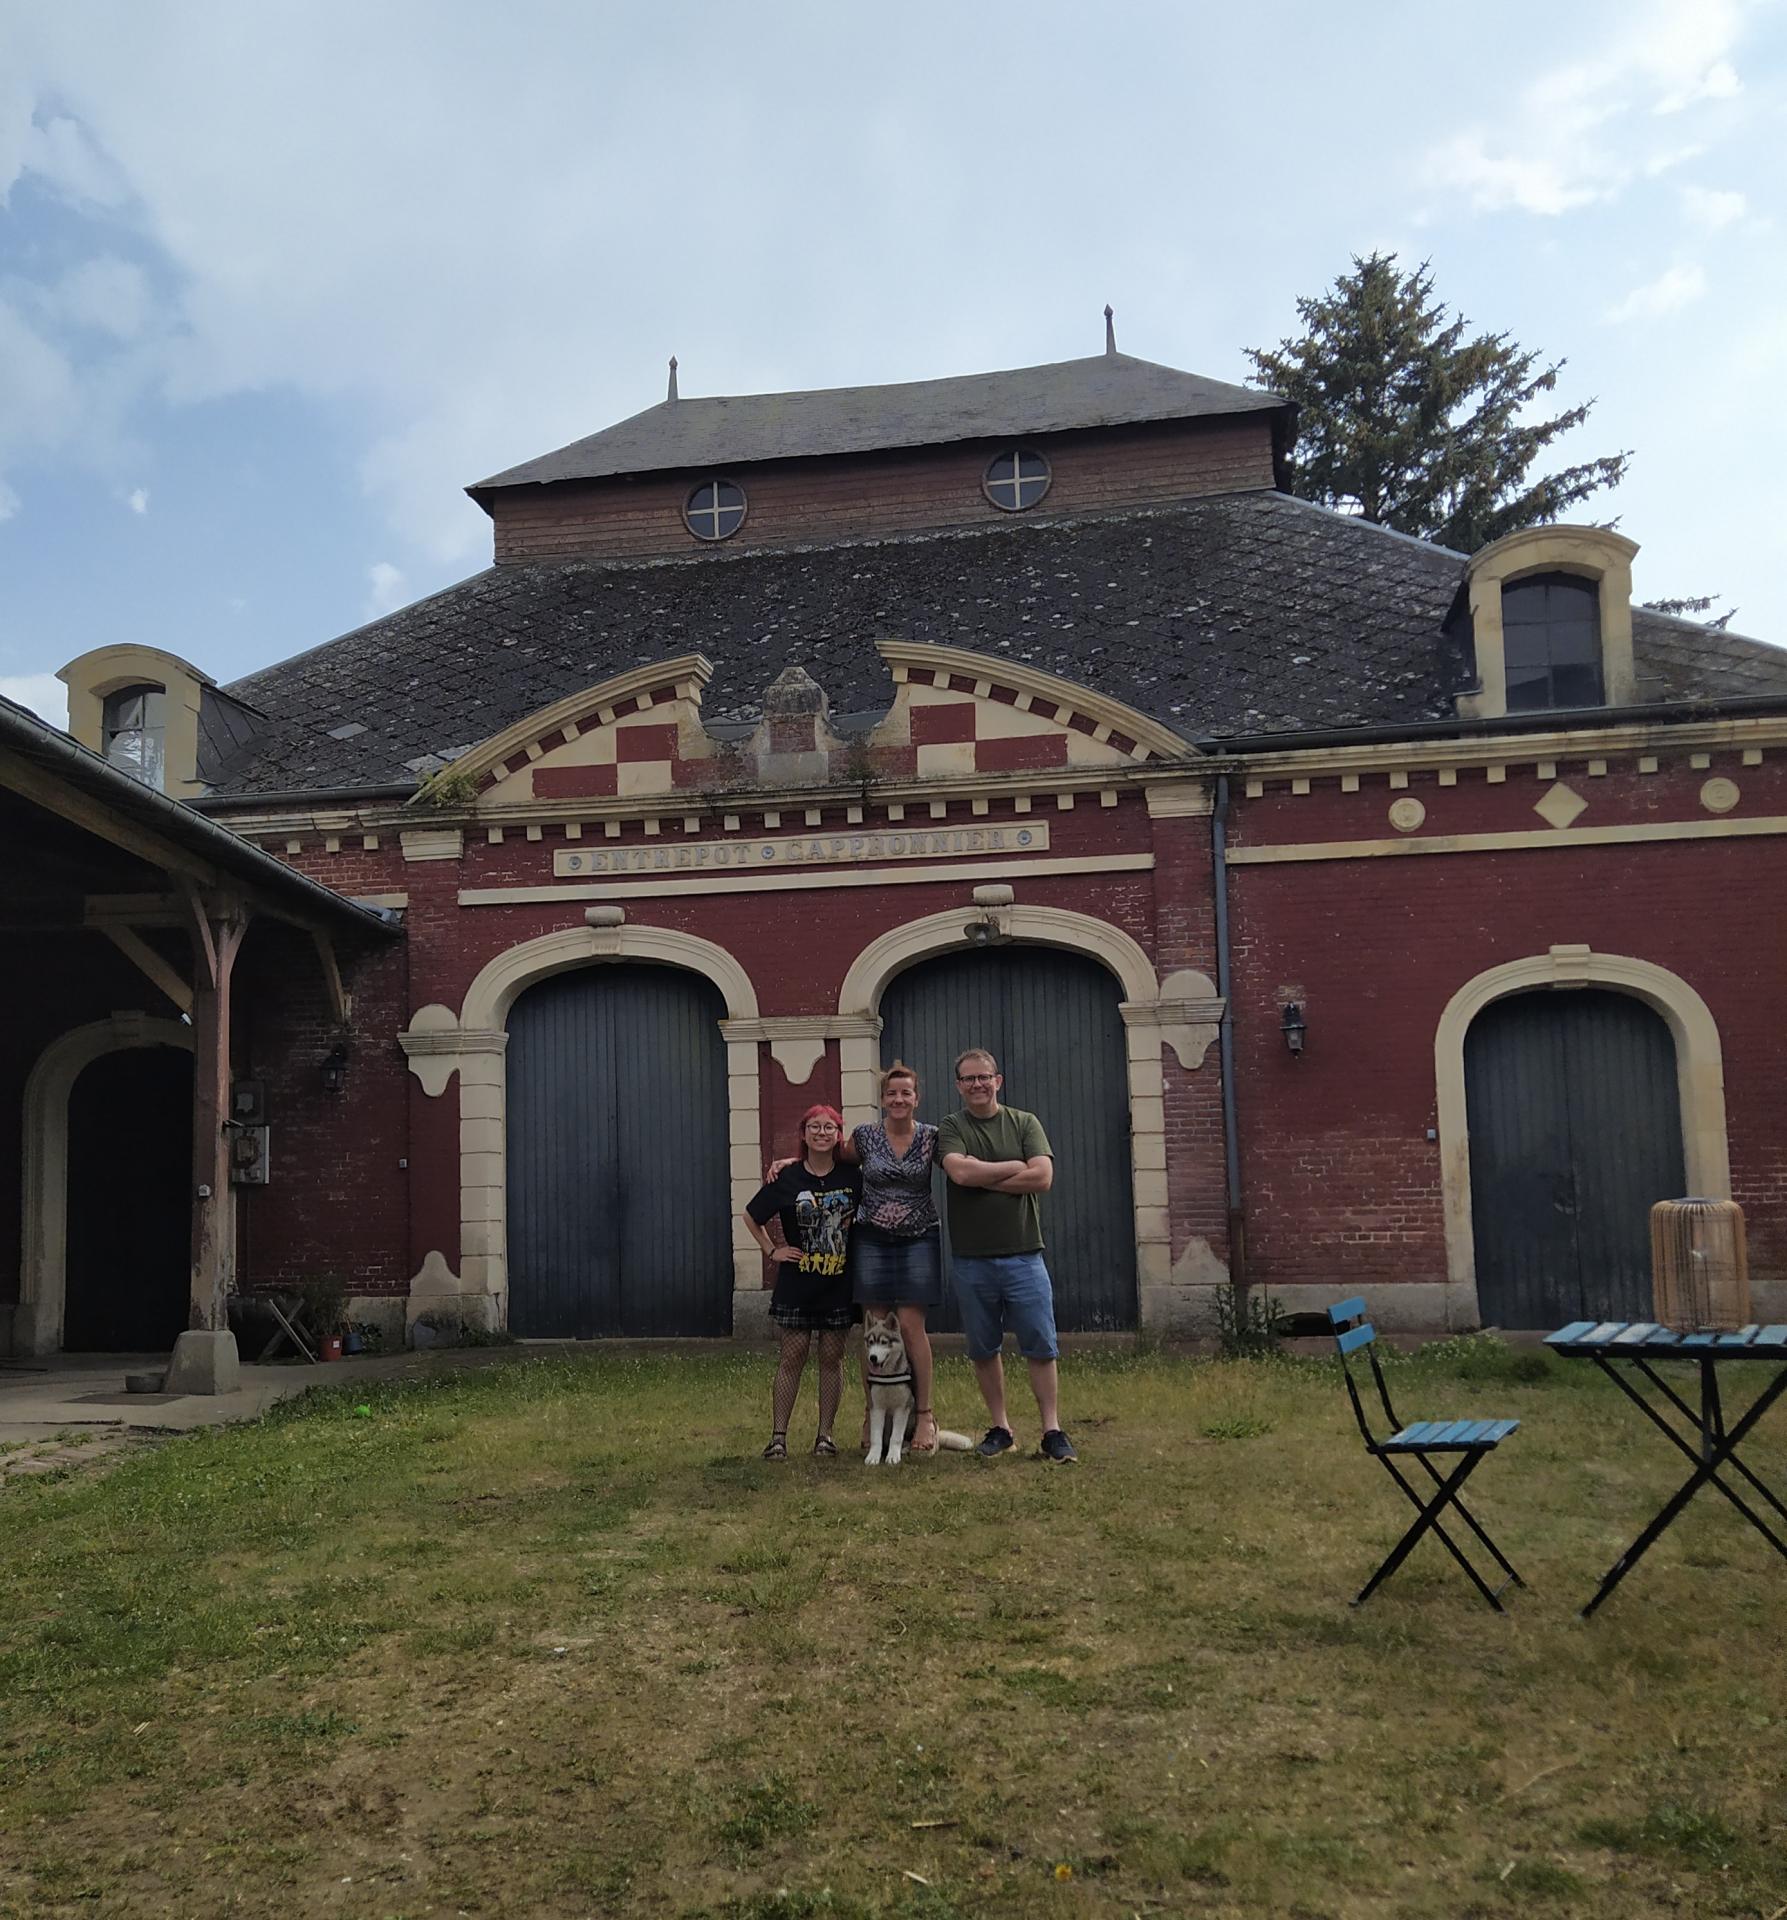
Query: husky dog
x,y
893,1407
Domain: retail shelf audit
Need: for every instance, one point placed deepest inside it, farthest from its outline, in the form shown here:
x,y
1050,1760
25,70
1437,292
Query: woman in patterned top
x,y
896,1244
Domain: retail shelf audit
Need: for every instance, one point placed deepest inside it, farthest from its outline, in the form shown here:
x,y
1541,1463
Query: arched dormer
x,y
1551,622
139,707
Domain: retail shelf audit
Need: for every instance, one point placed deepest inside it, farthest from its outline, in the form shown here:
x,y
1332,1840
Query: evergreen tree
x,y
1695,604
1407,419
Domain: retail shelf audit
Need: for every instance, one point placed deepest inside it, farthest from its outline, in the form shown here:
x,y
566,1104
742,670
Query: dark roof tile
x,y
1224,617
1107,390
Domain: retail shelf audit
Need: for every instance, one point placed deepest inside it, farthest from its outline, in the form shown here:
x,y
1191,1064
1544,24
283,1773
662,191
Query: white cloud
x,y
64,155
1527,181
1671,291
386,589
105,294
43,693
1570,138
1709,208
137,500
1719,81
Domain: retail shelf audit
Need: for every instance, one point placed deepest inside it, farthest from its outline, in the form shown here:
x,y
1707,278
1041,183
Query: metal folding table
x,y
1624,1351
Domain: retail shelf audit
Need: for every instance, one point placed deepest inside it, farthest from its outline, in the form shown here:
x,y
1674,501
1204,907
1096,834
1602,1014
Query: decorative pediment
x,y
958,713
955,715
636,734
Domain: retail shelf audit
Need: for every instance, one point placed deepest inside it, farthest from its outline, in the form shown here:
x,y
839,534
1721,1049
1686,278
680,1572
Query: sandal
x,y
777,1448
825,1447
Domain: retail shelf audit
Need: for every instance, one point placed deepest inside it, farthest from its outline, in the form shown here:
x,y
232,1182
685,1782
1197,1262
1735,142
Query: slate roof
x,y
1109,389
1228,616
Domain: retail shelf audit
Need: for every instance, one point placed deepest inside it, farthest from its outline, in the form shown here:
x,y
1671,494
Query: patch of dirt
x,y
87,1450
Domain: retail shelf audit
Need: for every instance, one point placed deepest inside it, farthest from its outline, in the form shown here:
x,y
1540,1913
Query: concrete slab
x,y
61,1391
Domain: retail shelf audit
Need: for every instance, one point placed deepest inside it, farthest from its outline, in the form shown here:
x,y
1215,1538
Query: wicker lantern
x,y
1700,1277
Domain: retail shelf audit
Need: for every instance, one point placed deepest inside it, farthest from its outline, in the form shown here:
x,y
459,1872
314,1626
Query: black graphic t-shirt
x,y
816,1211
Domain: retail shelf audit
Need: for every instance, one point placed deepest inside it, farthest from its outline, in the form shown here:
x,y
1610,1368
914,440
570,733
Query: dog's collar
x,y
890,1379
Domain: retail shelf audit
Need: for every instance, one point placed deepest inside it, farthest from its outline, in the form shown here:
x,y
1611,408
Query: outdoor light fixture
x,y
1293,1026
335,1067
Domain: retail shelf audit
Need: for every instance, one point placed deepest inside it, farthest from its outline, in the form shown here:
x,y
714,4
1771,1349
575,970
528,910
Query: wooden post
x,y
218,927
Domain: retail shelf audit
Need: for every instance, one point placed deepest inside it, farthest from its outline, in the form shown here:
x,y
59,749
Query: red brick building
x,y
1359,916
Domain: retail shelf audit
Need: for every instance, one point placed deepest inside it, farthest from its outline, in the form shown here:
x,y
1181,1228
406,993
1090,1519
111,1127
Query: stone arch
x,y
1700,1081
904,946
43,1273
1150,1016
471,1043
492,993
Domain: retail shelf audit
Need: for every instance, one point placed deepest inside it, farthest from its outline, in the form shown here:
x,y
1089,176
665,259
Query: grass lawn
x,y
547,1638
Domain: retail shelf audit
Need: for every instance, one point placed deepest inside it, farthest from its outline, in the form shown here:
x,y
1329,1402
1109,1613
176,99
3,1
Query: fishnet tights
x,y
793,1364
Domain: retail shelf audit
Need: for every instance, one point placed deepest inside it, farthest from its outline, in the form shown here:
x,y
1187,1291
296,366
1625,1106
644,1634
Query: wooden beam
x,y
135,909
148,962
213,1198
341,1003
92,816
204,948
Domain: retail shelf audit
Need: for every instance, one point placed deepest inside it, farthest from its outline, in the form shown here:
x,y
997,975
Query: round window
x,y
714,510
1016,480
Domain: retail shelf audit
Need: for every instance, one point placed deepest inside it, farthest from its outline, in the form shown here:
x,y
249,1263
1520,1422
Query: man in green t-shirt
x,y
999,1162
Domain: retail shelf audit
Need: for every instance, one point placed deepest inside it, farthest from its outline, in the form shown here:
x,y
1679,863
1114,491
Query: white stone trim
x,y
648,886
1700,1078
43,1272
1164,1298
473,1043
492,993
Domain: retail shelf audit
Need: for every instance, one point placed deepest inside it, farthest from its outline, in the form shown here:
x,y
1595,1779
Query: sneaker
x,y
998,1441
1056,1446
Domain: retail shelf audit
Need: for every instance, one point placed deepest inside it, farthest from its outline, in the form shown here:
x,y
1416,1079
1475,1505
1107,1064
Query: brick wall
x,y
863,495
337,1201
1342,1185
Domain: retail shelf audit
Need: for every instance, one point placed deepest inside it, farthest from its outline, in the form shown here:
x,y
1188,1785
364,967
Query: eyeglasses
x,y
975,1079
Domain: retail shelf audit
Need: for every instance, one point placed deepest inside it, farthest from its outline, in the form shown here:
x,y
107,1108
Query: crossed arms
x,y
1035,1175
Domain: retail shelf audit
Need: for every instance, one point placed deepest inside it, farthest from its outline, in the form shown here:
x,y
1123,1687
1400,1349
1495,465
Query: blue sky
x,y
279,277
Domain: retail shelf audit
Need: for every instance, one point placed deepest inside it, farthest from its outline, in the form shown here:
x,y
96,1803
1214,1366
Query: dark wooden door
x,y
619,1191
129,1248
1052,1021
1575,1128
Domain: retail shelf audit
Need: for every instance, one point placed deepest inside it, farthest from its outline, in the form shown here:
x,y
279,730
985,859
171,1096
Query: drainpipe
x,y
1231,1138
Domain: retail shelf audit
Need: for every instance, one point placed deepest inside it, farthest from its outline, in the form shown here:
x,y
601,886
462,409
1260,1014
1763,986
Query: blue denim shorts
x,y
1008,1293
896,1273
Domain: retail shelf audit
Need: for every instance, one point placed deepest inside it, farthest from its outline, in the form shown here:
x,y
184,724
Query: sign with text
x,y
802,850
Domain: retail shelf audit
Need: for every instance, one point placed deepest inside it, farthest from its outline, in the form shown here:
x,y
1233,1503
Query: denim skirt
x,y
893,1272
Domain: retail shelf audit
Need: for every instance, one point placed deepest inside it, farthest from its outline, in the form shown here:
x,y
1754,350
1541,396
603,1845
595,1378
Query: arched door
x,y
1051,1019
1575,1132
619,1193
129,1242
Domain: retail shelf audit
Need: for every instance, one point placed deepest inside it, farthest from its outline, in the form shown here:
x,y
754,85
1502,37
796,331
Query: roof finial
x,y
671,395
1110,329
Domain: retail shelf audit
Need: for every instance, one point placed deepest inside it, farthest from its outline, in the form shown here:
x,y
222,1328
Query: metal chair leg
x,y
1470,1521
1428,1520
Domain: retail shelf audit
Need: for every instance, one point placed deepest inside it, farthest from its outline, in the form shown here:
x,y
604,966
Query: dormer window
x,y
135,733
1017,480
1549,622
1551,642
715,510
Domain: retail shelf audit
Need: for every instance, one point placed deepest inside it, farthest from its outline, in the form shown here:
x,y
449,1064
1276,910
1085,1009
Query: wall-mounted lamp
x,y
988,930
335,1067
1293,1026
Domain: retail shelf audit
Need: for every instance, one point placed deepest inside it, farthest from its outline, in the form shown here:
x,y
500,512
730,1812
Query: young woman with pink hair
x,y
815,1197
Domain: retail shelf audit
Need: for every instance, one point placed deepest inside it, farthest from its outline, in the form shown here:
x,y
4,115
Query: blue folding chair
x,y
1472,1441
